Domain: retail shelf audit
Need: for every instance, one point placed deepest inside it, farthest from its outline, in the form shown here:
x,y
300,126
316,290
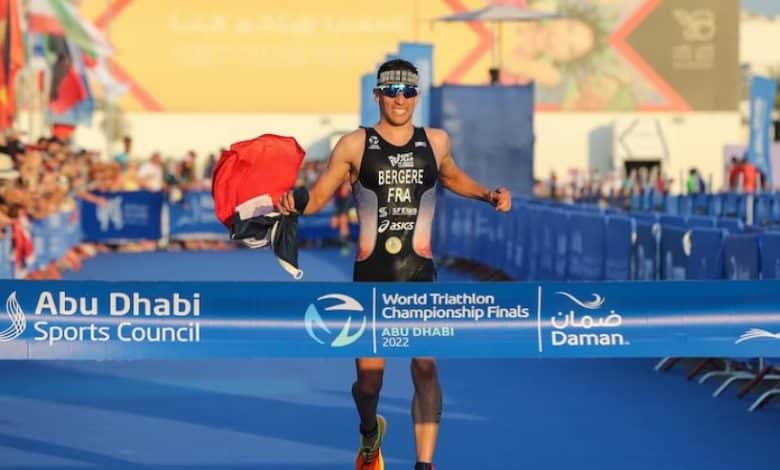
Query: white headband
x,y
406,77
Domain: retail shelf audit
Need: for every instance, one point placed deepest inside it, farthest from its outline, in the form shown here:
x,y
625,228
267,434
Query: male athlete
x,y
393,168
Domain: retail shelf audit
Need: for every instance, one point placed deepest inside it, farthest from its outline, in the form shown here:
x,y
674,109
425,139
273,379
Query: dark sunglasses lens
x,y
392,91
410,92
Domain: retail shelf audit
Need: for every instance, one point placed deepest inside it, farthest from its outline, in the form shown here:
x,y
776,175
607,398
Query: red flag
x,y
70,91
67,89
24,252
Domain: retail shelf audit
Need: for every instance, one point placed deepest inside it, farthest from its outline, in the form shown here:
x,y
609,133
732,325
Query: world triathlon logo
x,y
111,213
18,322
316,326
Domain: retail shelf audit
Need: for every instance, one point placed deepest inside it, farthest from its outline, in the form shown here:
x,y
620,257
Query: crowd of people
x,y
582,186
49,176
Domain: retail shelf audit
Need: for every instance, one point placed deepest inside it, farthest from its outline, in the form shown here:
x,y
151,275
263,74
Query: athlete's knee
x,y
427,402
369,383
424,370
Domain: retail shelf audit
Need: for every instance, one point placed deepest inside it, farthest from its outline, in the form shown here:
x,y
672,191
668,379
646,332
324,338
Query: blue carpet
x,y
298,414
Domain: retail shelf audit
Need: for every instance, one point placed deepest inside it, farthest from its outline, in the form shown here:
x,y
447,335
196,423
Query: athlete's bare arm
x,y
457,181
342,164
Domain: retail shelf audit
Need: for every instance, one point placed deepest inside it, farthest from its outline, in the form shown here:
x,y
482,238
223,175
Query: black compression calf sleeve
x,y
367,402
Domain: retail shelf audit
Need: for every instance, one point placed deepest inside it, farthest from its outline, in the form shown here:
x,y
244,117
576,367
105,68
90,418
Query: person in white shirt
x,y
150,175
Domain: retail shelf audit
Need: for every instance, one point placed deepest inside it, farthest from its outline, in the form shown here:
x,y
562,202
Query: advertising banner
x,y
132,215
96,320
762,101
272,56
193,217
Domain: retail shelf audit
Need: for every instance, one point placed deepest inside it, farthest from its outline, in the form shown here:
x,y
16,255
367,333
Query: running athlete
x,y
394,168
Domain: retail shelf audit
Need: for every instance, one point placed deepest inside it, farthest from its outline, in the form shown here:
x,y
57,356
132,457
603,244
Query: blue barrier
x,y
704,221
586,247
560,232
96,320
617,252
6,255
193,217
706,258
536,241
674,262
740,252
769,246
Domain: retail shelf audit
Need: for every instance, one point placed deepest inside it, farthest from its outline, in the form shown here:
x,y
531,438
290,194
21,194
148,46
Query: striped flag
x,y
58,17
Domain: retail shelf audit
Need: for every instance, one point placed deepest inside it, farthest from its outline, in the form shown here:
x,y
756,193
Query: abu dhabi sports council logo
x,y
756,333
314,323
18,322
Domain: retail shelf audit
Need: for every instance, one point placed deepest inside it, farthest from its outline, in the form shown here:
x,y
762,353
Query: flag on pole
x,y
60,18
11,58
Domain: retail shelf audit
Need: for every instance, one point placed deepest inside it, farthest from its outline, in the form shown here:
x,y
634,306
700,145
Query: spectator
x,y
734,172
749,176
151,174
123,157
695,183
130,179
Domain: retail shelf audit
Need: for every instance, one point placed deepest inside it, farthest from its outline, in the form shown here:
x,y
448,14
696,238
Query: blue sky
x,y
767,7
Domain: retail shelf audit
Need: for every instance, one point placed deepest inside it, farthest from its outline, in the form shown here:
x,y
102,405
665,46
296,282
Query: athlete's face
x,y
398,109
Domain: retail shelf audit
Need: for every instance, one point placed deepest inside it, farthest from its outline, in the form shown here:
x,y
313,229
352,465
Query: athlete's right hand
x,y
287,204
294,202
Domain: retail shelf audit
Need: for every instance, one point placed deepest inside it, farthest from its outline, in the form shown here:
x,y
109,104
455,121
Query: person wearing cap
x,y
8,169
393,168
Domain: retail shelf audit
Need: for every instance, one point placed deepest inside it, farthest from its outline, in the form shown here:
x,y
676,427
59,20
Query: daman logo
x,y
16,316
572,329
757,333
313,321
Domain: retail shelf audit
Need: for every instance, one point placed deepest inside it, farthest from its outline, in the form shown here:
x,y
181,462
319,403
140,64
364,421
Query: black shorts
x,y
407,269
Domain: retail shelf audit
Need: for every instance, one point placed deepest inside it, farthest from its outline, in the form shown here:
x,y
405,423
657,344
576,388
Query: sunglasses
x,y
391,91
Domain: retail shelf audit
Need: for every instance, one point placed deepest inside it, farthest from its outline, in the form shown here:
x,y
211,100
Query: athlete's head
x,y
396,91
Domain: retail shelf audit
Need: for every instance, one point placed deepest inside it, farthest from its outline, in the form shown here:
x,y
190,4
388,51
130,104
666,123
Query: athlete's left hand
x,y
501,199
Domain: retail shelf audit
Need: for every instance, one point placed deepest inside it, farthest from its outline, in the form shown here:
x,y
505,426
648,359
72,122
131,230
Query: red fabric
x,y
267,164
22,241
62,131
70,92
38,22
11,59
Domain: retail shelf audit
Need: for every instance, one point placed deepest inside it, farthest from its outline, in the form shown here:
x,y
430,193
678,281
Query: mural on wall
x,y
272,56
